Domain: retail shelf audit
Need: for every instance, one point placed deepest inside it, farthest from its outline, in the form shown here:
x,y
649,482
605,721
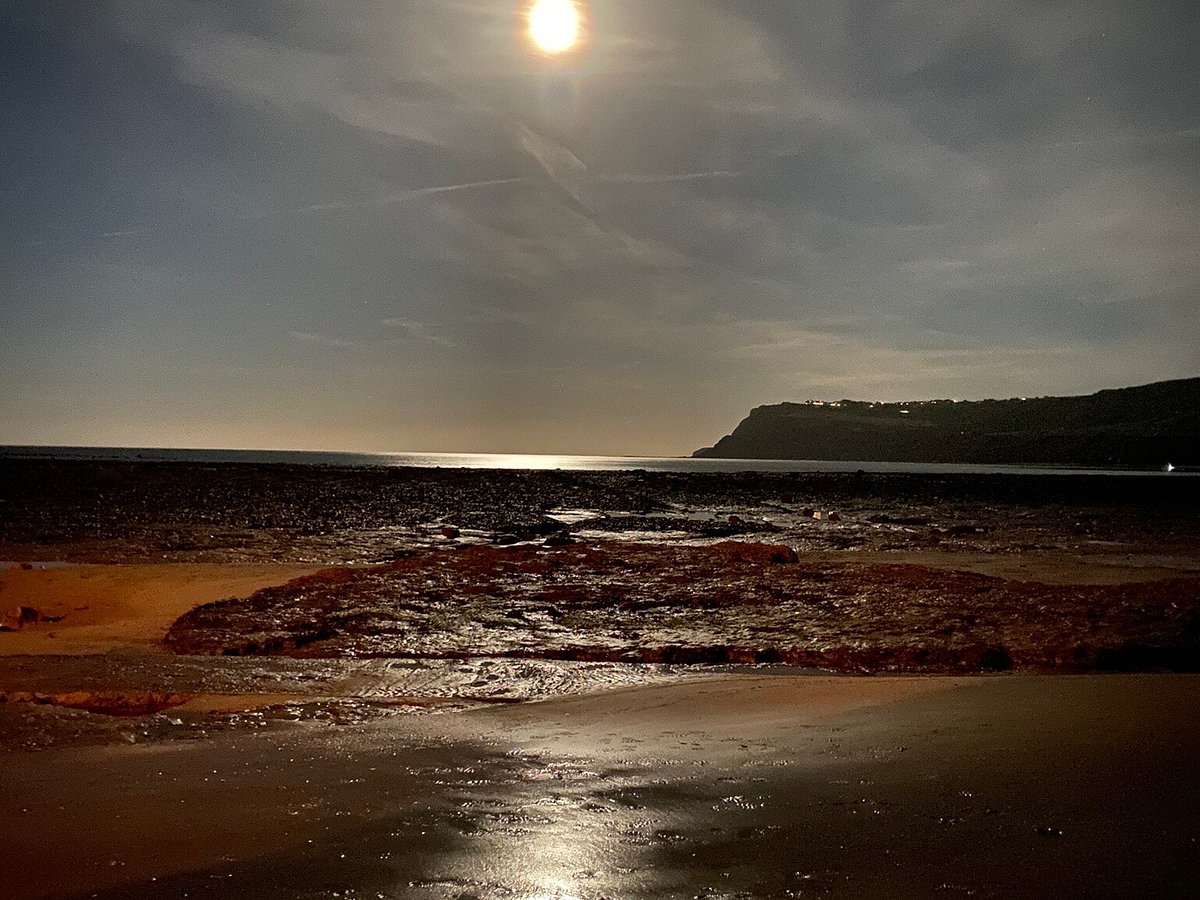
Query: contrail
x,y
129,232
561,166
629,178
388,200
401,196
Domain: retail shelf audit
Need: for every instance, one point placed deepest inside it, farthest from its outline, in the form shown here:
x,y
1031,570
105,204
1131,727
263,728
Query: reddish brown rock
x,y
728,602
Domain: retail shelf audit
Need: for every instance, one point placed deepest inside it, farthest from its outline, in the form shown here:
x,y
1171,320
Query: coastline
x,y
694,464
299,776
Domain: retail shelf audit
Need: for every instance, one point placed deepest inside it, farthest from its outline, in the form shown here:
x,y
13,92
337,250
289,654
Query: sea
x,y
550,462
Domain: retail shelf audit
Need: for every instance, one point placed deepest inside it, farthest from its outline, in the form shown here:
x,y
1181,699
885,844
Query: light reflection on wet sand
x,y
748,787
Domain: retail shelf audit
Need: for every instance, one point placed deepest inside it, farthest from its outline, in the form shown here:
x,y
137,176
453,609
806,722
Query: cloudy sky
x,y
394,226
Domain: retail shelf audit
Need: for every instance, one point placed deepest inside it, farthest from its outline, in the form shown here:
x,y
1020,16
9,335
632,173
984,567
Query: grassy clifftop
x,y
1145,426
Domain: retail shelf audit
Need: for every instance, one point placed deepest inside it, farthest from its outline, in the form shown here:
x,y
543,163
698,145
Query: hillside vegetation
x,y
1145,426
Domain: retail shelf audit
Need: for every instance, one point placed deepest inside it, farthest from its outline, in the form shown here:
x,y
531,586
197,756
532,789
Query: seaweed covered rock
x,y
727,603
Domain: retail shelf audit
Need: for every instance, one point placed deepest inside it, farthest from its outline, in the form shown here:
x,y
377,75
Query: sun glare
x,y
554,25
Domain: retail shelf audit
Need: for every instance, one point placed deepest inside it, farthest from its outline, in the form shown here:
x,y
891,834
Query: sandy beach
x,y
717,784
312,768
725,787
615,450
98,608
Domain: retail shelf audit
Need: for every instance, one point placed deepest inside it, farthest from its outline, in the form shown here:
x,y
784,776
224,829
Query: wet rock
x,y
663,524
728,602
255,513
996,659
533,529
963,530
1165,656
109,703
450,532
21,616
739,551
559,540
885,519
506,540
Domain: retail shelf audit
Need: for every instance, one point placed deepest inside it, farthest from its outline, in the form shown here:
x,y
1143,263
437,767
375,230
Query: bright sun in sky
x,y
554,25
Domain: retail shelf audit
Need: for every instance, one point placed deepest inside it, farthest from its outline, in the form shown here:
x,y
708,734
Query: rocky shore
x,y
241,595
322,677
729,602
115,512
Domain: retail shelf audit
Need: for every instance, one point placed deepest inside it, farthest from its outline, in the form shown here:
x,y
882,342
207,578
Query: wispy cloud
x,y
422,330
633,178
410,194
321,340
128,232
389,199
898,187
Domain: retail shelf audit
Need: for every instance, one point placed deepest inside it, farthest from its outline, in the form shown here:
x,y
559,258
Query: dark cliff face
x,y
1144,426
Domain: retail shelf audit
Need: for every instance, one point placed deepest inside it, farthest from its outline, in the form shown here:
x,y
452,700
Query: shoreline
x,y
694,463
151,773
100,643
681,782
846,787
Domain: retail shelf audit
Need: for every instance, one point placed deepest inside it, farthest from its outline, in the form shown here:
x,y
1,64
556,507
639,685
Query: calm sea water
x,y
543,462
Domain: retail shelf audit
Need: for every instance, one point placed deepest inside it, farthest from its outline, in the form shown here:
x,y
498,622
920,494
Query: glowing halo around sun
x,y
554,25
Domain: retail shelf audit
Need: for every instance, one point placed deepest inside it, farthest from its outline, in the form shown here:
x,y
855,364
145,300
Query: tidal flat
x,y
467,683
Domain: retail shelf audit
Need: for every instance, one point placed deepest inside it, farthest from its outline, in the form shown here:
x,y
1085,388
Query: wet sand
x,y
101,674
131,771
104,607
728,787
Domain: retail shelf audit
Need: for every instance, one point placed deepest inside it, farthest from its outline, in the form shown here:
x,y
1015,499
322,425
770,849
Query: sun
x,y
554,25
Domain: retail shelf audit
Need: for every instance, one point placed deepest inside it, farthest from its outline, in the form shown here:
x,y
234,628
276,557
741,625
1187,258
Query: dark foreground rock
x,y
726,603
126,512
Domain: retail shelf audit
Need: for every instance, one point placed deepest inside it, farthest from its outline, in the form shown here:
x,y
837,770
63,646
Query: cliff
x,y
1145,426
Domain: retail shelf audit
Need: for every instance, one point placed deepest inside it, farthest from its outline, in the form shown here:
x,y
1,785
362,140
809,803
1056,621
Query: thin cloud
x,y
413,194
899,187
631,178
321,340
421,330
333,206
128,232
